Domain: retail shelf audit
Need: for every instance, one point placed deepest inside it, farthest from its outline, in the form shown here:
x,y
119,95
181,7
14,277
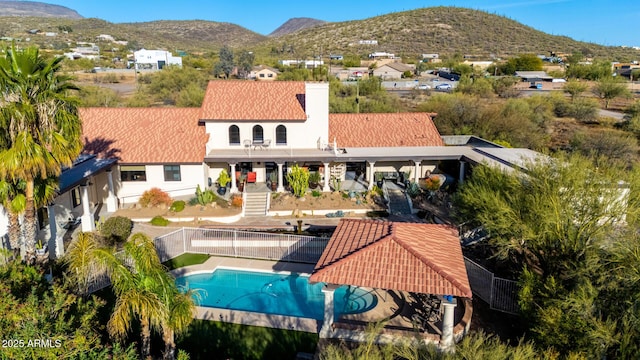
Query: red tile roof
x,y
145,135
383,130
421,258
254,100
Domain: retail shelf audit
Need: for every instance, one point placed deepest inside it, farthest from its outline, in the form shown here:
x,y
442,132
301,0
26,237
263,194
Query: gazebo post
x,y
327,324
446,339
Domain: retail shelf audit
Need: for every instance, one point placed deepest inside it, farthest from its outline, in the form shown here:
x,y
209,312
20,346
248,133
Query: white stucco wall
x,y
192,175
300,134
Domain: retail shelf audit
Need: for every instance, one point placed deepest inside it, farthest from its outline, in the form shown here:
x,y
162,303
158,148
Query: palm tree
x,y
180,313
145,291
41,129
13,200
135,274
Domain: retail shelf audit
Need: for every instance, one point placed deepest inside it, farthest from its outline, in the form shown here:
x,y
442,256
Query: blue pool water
x,y
280,294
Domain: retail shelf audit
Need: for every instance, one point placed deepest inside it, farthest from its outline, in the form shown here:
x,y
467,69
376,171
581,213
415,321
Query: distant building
x,y
105,37
307,63
368,42
90,51
263,72
430,56
336,57
381,55
391,71
155,59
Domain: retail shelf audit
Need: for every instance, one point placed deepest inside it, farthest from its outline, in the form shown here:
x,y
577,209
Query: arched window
x,y
281,135
234,135
258,134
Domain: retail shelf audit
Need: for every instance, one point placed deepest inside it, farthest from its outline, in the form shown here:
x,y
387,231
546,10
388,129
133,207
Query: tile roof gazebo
x,y
411,257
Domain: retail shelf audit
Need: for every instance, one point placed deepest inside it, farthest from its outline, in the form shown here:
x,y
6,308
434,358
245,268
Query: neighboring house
x,y
155,59
381,55
263,72
391,71
309,64
534,76
91,52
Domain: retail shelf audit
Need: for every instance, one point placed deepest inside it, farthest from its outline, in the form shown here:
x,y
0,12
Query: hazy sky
x,y
599,21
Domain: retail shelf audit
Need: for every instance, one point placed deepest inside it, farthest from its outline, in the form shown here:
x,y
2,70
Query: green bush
x,y
116,229
204,197
159,221
298,178
177,206
316,193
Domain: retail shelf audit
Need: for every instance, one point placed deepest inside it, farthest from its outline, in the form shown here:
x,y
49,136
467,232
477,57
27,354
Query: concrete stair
x,y
256,204
398,202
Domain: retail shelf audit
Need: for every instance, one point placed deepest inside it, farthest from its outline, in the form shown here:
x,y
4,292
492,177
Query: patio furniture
x,y
247,143
262,144
251,177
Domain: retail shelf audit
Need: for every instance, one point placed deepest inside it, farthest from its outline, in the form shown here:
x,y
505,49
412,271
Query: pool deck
x,y
394,307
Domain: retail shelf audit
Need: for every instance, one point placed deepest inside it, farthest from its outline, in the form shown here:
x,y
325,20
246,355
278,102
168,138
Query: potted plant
x,y
379,179
41,249
314,180
273,178
223,180
241,181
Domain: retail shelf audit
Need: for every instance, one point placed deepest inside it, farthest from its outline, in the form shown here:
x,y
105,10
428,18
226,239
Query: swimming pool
x,y
288,294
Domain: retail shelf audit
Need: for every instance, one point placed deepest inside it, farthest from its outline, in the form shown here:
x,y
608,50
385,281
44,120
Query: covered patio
x,y
416,270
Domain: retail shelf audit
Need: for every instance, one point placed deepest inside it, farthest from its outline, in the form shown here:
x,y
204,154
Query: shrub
x,y
154,197
236,201
177,206
316,193
204,197
116,229
159,221
314,178
298,178
413,190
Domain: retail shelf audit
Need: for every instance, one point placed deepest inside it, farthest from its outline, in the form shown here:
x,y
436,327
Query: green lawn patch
x,y
186,260
217,340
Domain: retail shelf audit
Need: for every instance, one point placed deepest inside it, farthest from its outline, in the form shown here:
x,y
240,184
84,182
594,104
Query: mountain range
x,y
443,30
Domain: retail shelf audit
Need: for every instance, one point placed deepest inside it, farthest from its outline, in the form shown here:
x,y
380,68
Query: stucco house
x,y
248,127
391,71
264,73
155,59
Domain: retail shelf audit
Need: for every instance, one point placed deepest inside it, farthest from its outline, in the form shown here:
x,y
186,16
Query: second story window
x,y
258,134
234,135
281,135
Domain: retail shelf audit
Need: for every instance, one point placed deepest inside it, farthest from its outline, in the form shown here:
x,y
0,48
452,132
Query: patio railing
x,y
500,294
238,243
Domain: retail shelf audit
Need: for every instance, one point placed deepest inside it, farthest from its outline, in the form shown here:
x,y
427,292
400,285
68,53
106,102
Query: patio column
x,y
234,186
87,217
326,187
112,203
462,170
56,247
370,178
327,323
446,339
417,170
280,178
